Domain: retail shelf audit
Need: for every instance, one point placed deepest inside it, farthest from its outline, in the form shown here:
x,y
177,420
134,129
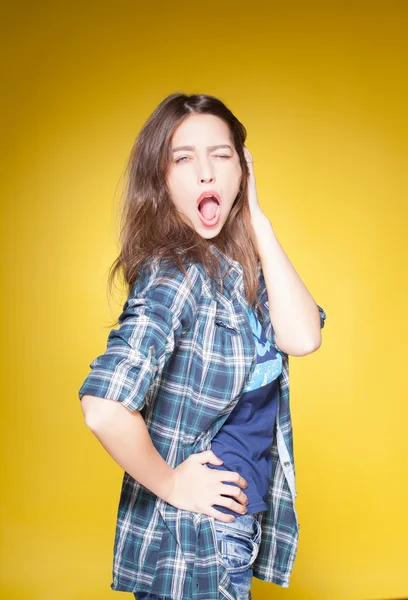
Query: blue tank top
x,y
244,440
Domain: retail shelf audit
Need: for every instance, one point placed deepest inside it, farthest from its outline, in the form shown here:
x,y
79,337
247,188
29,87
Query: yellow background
x,y
322,90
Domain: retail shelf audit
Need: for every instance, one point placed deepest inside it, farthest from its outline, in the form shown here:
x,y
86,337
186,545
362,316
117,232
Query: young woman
x,y
191,396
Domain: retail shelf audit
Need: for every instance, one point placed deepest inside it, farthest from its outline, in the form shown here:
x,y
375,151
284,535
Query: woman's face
x,y
204,162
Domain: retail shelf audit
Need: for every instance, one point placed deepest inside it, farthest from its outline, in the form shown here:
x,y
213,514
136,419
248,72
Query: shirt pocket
x,y
226,326
225,322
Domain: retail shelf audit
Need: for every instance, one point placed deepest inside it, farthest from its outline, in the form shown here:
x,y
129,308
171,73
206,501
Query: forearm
x,y
294,313
125,437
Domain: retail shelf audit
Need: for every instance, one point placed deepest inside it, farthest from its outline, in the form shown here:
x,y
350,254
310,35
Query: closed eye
x,y
181,159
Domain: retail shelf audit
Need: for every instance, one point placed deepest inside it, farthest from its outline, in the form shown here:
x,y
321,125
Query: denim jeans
x,y
238,546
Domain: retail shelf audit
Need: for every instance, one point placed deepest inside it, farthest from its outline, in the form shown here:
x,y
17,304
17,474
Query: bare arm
x,y
295,316
294,313
123,433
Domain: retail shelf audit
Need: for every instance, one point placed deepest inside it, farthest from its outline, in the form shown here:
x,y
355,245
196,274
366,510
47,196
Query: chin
x,y
208,235
209,232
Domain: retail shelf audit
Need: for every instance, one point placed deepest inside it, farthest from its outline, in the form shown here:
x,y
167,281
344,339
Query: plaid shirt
x,y
182,355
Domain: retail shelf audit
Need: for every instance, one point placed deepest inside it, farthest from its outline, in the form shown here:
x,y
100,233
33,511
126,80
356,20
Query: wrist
x,y
167,485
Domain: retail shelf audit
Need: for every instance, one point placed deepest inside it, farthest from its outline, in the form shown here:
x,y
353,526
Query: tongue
x,y
208,207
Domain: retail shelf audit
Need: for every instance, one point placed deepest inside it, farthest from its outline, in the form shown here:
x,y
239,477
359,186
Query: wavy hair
x,y
150,226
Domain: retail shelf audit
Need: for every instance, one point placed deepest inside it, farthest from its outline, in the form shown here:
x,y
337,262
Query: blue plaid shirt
x,y
182,355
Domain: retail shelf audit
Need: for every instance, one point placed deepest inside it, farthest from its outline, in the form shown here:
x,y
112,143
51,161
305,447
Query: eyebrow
x,y
192,148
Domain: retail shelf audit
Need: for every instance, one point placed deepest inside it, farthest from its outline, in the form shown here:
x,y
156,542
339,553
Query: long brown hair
x,y
150,226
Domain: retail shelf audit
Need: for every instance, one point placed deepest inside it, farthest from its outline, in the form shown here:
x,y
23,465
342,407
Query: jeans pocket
x,y
238,547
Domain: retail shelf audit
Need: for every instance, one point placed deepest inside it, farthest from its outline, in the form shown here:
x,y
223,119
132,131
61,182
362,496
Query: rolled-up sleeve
x,y
154,316
263,299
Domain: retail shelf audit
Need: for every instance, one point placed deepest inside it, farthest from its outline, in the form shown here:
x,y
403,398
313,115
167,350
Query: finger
x,y
208,456
231,504
233,476
233,490
220,516
250,159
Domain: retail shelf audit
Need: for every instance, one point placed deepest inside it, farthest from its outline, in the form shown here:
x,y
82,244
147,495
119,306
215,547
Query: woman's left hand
x,y
254,206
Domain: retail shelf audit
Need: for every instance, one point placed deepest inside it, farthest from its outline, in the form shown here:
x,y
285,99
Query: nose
x,y
208,179
206,172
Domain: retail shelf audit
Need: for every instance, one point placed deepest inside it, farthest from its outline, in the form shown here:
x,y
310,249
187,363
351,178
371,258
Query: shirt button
x,y
198,586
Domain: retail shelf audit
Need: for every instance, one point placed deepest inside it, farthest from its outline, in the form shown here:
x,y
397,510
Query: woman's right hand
x,y
197,488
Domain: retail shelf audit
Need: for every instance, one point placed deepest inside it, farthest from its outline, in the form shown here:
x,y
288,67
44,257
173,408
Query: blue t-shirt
x,y
244,440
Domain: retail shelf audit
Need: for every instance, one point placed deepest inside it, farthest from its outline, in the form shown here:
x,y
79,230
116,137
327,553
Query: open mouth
x,y
209,210
208,207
